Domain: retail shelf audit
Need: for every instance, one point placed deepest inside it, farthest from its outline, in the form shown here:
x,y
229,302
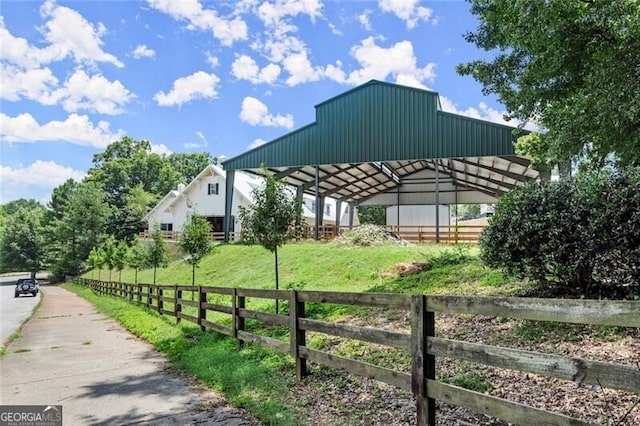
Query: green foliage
x,y
374,215
582,234
22,243
570,66
195,242
77,220
472,381
190,165
270,221
136,257
157,252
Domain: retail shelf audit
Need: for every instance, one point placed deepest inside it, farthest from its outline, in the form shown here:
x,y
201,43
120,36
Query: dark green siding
x,y
380,122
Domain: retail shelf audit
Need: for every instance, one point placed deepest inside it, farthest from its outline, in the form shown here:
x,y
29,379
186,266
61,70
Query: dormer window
x,y
212,189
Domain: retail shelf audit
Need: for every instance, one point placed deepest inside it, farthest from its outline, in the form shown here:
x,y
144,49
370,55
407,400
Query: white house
x,y
205,196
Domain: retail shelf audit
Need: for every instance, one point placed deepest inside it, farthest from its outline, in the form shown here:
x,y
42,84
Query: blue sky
x,y
195,75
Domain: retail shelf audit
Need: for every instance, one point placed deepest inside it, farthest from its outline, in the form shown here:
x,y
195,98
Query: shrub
x,y
582,233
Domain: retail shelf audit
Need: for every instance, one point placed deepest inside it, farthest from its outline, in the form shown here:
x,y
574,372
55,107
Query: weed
x,y
471,381
22,350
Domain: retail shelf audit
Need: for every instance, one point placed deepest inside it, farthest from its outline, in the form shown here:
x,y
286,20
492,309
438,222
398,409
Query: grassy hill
x,y
334,267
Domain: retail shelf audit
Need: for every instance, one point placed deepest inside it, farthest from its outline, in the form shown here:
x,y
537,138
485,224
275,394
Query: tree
x,y
95,260
375,215
272,218
120,257
568,65
77,221
195,242
136,257
190,165
581,234
109,248
157,252
22,245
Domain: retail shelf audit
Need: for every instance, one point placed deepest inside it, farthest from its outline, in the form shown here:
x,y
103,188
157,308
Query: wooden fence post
x,y
160,302
423,365
297,336
178,305
237,303
202,311
149,292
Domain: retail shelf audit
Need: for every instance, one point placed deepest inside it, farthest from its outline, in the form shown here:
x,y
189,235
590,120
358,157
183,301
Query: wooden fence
x,y
468,234
420,343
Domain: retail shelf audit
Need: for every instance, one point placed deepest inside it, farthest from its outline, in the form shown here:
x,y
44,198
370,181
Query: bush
x,y
582,233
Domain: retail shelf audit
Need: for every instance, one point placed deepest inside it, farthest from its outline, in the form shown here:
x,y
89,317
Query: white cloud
x,y
256,113
212,60
202,138
199,85
256,143
143,51
272,14
160,149
363,19
397,61
245,68
408,10
44,174
93,93
67,34
300,69
198,18
33,84
76,129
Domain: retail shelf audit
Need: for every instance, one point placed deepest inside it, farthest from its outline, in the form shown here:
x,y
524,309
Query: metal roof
x,y
369,140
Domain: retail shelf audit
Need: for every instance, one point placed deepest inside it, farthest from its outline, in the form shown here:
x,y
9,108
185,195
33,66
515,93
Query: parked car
x,y
26,286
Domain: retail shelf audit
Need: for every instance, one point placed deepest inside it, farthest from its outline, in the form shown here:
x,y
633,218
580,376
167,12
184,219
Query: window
x,y
166,227
327,210
212,189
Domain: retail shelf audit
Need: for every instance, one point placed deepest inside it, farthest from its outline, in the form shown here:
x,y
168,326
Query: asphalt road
x,y
13,311
71,355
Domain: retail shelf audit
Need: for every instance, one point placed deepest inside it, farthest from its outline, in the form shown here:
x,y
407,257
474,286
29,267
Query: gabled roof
x,y
366,140
165,200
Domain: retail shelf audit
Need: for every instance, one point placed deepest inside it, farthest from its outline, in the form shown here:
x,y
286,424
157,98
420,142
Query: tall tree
x,y
157,252
77,220
195,242
569,65
22,245
190,165
129,173
272,218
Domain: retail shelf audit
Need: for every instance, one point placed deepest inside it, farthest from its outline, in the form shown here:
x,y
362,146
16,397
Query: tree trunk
x,y
120,276
109,275
136,277
277,286
193,274
154,274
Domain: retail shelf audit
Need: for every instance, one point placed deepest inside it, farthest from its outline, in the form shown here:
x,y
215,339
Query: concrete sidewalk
x,y
71,355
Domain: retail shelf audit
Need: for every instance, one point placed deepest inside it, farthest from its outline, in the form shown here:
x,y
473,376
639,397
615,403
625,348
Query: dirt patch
x,y
332,397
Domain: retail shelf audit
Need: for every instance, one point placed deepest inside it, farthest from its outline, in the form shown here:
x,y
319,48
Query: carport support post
x,y
352,208
318,212
228,202
437,201
338,214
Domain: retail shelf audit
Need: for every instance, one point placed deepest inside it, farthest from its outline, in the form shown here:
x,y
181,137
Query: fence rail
x,y
468,234
420,344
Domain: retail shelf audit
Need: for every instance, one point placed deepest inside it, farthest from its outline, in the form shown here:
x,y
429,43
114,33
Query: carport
x,y
387,144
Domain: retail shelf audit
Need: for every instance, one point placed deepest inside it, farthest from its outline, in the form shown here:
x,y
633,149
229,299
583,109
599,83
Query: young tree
x,y
120,258
109,248
272,218
136,257
569,65
157,252
95,261
195,242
